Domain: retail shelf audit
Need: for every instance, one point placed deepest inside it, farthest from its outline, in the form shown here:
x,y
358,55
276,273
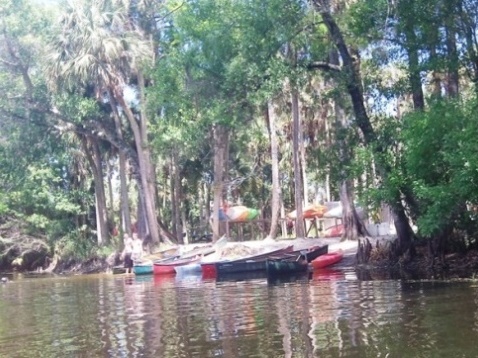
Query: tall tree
x,y
353,81
92,152
271,120
99,47
297,137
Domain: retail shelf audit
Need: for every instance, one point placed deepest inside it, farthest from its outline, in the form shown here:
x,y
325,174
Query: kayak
x,y
327,259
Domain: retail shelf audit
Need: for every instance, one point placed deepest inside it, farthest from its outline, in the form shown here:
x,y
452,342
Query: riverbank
x,y
231,248
456,265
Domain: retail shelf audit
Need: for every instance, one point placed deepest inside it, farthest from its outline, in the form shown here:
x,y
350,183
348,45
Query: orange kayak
x,y
327,259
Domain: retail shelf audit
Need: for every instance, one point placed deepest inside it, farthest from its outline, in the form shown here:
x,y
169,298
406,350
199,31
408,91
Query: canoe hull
x,y
284,267
208,269
251,263
146,269
190,269
243,266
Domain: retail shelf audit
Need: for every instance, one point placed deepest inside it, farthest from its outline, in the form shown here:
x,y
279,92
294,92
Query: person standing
x,y
128,253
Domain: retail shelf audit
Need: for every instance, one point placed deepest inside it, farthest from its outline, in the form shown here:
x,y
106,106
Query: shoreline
x,y
94,265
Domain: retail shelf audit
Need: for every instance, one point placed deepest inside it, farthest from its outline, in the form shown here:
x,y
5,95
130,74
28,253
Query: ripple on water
x,y
332,314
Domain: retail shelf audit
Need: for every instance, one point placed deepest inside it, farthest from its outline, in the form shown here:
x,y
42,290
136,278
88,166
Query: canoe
x,y
190,269
295,262
228,267
144,268
250,263
260,264
209,269
286,266
167,268
327,259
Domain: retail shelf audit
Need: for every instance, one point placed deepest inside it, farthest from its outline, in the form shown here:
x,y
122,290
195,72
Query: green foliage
x,y
77,244
439,158
42,198
77,107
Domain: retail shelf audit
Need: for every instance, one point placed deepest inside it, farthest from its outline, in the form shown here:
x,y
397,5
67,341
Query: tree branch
x,y
320,65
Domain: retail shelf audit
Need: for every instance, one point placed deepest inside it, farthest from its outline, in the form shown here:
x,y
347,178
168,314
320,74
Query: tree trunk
x,y
436,80
270,116
111,209
148,170
303,167
220,138
94,158
142,227
177,195
299,221
207,194
144,174
124,198
452,83
471,46
411,46
353,226
354,87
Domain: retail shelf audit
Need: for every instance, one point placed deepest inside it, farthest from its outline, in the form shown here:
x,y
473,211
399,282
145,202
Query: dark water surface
x,y
327,315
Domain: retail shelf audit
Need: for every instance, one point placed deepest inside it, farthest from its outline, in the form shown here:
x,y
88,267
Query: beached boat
x,y
250,263
295,262
190,269
168,267
327,259
143,268
259,263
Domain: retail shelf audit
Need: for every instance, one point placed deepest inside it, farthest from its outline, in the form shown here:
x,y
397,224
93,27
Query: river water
x,y
331,314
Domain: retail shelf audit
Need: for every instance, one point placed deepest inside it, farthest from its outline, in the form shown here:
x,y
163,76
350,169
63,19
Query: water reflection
x,y
328,314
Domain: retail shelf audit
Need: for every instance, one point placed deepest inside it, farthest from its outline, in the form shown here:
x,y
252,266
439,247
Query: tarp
x,y
310,211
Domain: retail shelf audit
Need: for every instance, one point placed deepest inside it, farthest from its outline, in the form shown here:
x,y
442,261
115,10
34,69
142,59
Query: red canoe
x,y
327,259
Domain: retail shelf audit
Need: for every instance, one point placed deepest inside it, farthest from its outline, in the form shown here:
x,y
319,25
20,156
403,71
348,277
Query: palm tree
x,y
99,46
